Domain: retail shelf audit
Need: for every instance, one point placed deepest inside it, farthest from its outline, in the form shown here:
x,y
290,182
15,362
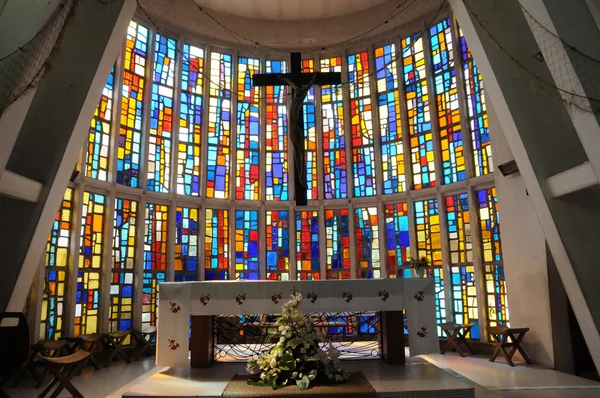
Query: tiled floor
x,y
94,383
417,378
488,379
521,381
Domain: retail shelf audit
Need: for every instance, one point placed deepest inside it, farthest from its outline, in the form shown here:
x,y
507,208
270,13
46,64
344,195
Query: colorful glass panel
x,y
123,268
397,237
367,243
464,294
478,120
219,126
91,261
161,115
190,121
419,118
388,102
246,244
56,271
334,141
186,244
446,91
307,245
216,252
132,107
278,245
98,147
276,165
310,134
363,151
429,245
248,131
361,123
155,259
337,243
495,282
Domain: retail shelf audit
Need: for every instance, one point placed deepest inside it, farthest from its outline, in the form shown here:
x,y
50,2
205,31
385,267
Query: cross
x,y
300,83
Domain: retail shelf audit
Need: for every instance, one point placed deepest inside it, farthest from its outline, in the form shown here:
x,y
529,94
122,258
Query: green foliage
x,y
297,356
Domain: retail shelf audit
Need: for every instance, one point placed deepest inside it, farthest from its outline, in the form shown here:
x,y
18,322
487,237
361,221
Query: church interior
x,y
408,183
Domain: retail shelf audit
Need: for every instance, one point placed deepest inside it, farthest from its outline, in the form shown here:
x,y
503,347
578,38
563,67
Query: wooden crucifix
x,y
301,84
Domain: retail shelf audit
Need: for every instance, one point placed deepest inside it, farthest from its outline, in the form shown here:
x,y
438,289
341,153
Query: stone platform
x,y
416,379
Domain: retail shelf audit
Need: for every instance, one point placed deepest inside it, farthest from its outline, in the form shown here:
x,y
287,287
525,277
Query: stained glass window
x,y
446,92
278,245
186,244
361,123
388,102
91,262
478,119
190,121
337,251
56,271
307,245
367,243
276,165
132,107
495,283
310,135
419,118
123,269
98,148
155,259
246,244
334,140
248,131
161,115
216,252
397,237
219,126
464,295
427,222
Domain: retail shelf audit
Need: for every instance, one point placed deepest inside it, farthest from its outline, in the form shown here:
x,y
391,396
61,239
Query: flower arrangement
x,y
419,265
297,356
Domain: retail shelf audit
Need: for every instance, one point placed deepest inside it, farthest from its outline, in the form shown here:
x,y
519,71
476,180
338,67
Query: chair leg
x,y
65,382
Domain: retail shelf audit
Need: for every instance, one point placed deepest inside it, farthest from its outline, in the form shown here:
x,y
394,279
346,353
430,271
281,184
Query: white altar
x,y
179,300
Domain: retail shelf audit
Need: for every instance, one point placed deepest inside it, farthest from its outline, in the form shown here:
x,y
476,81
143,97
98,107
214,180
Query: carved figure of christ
x,y
301,84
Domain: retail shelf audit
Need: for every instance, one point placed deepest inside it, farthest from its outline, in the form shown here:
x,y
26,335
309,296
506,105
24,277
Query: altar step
x,y
416,379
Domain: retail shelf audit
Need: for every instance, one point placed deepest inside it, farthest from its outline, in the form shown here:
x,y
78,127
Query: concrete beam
x,y
53,134
19,187
544,142
572,180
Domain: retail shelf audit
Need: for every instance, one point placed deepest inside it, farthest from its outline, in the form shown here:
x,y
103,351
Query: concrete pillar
x,y
524,252
53,133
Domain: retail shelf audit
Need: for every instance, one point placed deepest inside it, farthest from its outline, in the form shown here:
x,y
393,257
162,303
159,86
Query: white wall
x,y
524,250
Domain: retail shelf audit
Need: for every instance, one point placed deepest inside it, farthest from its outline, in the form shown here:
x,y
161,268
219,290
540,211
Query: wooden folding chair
x,y
113,345
456,336
86,342
63,369
505,337
143,342
48,349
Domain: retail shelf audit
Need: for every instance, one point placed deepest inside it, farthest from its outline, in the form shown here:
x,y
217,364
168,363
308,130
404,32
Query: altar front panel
x,y
179,300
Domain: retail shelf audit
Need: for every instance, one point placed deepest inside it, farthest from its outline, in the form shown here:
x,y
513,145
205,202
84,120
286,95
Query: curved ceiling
x,y
328,25
287,9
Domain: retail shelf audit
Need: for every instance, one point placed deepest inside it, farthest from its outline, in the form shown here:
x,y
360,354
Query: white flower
x,y
273,363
